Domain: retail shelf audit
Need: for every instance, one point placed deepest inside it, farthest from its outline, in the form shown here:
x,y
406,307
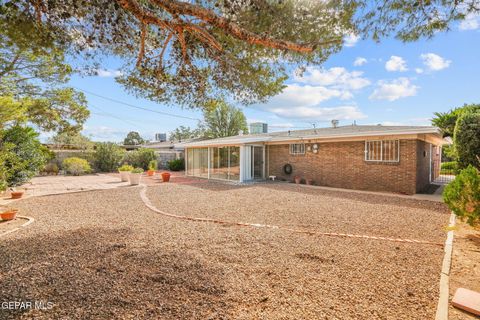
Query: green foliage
x,y
140,158
449,168
76,166
223,120
51,168
133,139
446,121
125,167
108,156
73,141
137,170
152,165
466,139
23,155
176,165
184,133
462,195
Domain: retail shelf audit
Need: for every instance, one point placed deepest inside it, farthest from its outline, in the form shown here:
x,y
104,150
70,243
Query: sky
x,y
388,83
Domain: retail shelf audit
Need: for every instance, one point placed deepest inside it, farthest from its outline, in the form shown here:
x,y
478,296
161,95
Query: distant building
x,y
160,137
258,127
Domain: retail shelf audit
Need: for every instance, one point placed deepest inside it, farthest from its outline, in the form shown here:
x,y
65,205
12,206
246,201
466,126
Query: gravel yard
x,y
104,255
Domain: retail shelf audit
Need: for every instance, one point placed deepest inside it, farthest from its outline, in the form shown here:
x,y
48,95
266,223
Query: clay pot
x,y
16,194
150,173
124,175
298,179
9,215
135,178
165,176
309,181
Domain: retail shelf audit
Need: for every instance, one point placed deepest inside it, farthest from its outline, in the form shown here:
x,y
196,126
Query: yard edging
x,y
29,221
443,299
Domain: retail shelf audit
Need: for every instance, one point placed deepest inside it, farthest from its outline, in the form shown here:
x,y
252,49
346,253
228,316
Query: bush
x,y
152,165
76,166
176,165
137,170
51,168
462,195
125,167
140,158
108,156
467,140
449,168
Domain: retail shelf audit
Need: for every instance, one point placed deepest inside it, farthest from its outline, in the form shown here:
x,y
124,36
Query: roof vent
x,y
334,123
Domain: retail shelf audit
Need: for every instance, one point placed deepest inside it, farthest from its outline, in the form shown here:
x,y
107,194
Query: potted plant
x,y
298,179
166,176
125,172
152,166
135,176
9,214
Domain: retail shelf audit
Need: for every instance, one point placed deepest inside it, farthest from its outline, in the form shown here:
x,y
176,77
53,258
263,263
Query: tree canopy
x,y
446,121
466,139
223,120
133,138
195,51
184,133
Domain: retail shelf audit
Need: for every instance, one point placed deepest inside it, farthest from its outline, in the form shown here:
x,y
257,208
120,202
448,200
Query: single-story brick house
x,y
365,157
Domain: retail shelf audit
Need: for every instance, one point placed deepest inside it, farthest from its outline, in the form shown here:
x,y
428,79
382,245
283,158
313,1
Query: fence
x,y
443,172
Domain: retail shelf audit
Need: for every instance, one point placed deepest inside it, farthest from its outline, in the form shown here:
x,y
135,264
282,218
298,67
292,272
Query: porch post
x,y
242,163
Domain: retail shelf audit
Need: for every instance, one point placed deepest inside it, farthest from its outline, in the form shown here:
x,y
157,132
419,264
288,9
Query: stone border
x,y
29,221
443,299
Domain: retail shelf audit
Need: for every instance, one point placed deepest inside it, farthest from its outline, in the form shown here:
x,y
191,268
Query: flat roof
x,y
319,133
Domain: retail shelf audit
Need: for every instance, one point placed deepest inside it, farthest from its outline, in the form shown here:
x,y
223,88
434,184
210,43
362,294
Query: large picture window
x,y
382,150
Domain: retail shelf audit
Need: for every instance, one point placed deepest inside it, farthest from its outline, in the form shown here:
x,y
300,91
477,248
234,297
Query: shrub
x,y
467,139
176,165
51,168
449,168
76,166
139,158
152,165
108,156
125,167
462,195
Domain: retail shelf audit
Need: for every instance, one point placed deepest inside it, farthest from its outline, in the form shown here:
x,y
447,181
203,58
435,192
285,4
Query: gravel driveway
x,y
104,255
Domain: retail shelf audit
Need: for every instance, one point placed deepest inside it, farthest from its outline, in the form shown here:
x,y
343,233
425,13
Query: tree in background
x,y
192,52
466,139
74,140
222,120
184,133
446,121
133,139
32,72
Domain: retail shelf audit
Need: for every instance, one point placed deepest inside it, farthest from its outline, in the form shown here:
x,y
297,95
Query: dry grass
x,y
103,255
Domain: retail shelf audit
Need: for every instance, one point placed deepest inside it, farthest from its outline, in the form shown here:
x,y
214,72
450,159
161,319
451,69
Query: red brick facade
x,y
343,165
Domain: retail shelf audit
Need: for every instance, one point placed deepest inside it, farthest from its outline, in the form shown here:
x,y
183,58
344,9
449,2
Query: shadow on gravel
x,y
102,274
367,198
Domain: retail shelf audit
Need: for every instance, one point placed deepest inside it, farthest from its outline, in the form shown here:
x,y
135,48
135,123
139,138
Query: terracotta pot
x,y
16,194
9,215
298,180
135,178
165,176
309,181
150,173
124,175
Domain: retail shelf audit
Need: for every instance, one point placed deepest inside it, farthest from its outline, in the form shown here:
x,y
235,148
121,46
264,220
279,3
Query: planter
x,y
17,194
124,175
9,215
309,182
150,173
165,176
298,180
135,178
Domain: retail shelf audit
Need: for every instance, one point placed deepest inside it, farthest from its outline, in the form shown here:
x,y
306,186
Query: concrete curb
x,y
443,299
29,221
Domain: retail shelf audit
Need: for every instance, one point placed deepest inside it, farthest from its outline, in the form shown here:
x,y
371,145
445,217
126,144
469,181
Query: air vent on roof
x,y
335,123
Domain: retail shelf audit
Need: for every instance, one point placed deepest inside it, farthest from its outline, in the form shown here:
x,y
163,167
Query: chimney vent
x,y
334,123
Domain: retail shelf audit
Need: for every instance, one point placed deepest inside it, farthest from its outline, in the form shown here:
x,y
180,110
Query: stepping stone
x,y
467,300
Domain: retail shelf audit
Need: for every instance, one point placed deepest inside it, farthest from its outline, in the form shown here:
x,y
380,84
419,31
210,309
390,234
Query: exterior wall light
x,y
315,148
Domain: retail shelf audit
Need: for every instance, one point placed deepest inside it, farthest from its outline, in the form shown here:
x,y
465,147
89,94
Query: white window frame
x,y
381,150
294,151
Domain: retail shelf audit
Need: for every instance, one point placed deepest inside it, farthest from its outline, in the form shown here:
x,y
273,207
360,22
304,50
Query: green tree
x,y
75,140
223,120
466,139
140,158
191,52
108,156
32,72
133,139
184,133
446,121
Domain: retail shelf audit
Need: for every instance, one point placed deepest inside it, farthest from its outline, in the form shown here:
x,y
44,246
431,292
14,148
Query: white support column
x,y
242,163
208,165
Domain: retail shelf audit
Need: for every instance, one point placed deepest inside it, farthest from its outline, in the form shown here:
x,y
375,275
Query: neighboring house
x,y
372,157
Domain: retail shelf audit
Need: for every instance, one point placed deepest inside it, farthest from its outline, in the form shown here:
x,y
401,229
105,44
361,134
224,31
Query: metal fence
x,y
441,176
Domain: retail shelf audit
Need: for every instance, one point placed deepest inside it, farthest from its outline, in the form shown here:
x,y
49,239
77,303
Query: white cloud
x,y
350,40
419,70
359,61
396,63
393,90
320,113
471,22
434,62
304,96
104,133
104,73
337,77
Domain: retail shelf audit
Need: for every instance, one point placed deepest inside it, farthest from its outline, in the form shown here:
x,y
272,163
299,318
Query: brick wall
x,y
423,163
342,165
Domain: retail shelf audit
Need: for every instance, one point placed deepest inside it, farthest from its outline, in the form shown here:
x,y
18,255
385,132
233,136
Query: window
x,y
382,150
297,148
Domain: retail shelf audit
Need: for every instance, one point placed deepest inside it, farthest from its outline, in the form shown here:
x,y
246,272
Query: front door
x,y
257,162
